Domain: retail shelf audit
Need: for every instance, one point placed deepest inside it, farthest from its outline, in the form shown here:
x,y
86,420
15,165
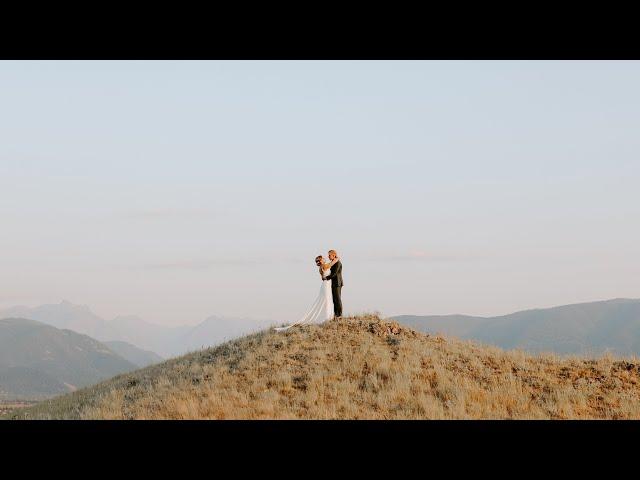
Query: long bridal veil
x,y
320,311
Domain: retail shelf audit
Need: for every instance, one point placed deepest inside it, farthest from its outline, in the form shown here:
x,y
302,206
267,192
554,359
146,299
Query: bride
x,y
322,308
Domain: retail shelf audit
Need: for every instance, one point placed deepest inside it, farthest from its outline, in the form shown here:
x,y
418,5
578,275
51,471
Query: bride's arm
x,y
327,266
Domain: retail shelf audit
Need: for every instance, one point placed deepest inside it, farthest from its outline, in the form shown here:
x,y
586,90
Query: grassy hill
x,y
38,360
358,368
585,328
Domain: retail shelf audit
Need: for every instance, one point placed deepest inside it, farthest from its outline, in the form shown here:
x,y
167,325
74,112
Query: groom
x,y
336,283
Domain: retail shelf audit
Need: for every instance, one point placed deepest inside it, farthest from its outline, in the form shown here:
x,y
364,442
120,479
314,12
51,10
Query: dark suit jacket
x,y
336,275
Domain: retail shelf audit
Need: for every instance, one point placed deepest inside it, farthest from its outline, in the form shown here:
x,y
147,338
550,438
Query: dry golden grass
x,y
8,405
359,368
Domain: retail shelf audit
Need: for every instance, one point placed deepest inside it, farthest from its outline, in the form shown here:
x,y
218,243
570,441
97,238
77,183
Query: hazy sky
x,y
179,190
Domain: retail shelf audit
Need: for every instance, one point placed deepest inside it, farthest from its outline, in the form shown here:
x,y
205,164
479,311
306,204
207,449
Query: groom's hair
x,y
334,252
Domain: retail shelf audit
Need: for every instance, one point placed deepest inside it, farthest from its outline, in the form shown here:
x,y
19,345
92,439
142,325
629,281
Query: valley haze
x,y
164,340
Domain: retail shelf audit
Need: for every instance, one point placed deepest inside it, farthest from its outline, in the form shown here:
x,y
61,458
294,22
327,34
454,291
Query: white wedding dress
x,y
322,308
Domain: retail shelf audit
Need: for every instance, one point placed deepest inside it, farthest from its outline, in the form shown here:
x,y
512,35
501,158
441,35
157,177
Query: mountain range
x,y
159,339
135,355
585,328
38,360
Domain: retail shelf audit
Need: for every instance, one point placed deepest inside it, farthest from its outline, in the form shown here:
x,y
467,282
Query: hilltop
x,y
356,368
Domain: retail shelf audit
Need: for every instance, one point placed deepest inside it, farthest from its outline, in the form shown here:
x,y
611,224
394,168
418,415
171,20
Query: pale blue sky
x,y
178,190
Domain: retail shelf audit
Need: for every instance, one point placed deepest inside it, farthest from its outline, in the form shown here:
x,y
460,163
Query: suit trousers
x,y
336,293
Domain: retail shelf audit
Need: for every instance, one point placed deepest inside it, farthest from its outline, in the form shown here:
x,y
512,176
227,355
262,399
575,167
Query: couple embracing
x,y
329,301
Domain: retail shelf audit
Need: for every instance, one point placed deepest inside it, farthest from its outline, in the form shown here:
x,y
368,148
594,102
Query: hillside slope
x,y
357,368
584,328
39,360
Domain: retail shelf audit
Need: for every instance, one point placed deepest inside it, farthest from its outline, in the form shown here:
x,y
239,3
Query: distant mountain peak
x,y
75,306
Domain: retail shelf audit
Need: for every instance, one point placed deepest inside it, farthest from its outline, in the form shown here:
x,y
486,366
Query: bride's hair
x,y
318,259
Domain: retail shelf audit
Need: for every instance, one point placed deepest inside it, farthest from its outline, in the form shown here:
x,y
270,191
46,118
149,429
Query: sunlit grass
x,y
359,368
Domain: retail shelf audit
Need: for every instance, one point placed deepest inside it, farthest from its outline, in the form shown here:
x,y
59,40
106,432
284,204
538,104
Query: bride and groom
x,y
329,301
